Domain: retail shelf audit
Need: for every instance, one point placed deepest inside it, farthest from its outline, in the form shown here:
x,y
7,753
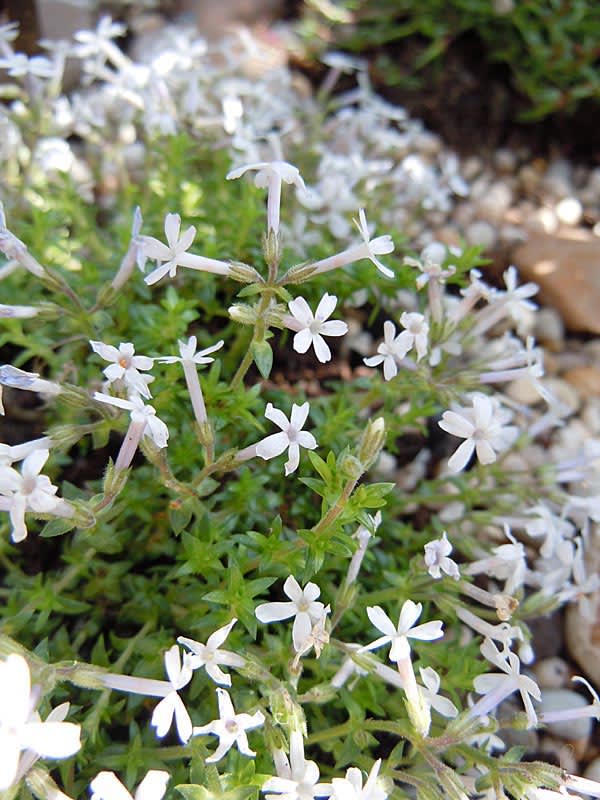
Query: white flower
x,y
188,353
125,366
508,563
429,691
297,779
28,491
174,254
303,606
291,438
20,728
230,728
154,427
17,378
179,673
484,429
370,248
351,787
416,334
437,558
430,265
398,636
19,65
210,656
106,786
380,246
92,42
312,327
390,352
270,175
496,686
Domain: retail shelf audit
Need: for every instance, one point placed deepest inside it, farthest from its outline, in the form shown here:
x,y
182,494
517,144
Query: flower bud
x,y
298,274
242,313
372,441
351,467
286,711
244,273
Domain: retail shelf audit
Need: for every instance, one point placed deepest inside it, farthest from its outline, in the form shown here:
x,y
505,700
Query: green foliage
x,y
549,47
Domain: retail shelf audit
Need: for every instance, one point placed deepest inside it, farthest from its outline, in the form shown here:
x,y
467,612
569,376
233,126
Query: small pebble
x,y
505,160
585,379
569,211
564,392
523,391
549,328
591,415
552,673
563,753
545,219
592,771
566,700
481,233
471,167
496,201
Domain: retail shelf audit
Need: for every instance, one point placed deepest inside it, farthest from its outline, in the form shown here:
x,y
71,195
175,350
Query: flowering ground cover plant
x,y
202,565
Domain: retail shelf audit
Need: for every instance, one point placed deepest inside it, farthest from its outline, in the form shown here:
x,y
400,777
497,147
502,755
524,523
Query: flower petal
x,y
274,612
153,787
272,446
381,620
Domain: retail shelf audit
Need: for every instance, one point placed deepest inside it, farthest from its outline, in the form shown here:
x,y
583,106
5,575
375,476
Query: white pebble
x,y
481,233
549,326
592,771
552,673
569,211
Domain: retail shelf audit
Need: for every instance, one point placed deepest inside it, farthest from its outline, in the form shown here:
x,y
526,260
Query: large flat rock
x,y
566,266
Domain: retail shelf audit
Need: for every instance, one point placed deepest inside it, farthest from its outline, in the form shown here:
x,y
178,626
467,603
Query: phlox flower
x,y
106,786
312,327
389,353
302,605
415,335
370,248
20,727
351,787
190,358
270,175
179,673
29,491
230,728
429,692
297,778
497,686
437,558
291,438
210,655
125,366
174,254
484,429
141,413
399,635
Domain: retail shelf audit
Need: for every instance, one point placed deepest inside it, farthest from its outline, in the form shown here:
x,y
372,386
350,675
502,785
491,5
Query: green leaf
x,y
263,357
56,527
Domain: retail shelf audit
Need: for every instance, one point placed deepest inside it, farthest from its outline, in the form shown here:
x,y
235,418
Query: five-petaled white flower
x,y
106,786
380,246
291,438
20,726
270,175
28,491
230,728
484,429
297,778
210,655
312,327
429,692
351,787
302,605
369,248
496,686
125,366
416,334
437,558
174,254
398,636
390,352
141,412
179,673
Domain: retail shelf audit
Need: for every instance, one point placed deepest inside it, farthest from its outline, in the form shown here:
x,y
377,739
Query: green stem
x,y
257,335
336,509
